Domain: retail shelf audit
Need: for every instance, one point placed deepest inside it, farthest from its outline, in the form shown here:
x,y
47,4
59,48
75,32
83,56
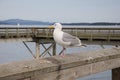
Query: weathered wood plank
x,y
58,68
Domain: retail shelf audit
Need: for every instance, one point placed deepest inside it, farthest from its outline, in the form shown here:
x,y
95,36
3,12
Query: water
x,y
106,75
16,51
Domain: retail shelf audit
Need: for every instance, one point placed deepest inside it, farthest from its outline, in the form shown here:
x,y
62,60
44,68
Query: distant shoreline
x,y
92,24
32,22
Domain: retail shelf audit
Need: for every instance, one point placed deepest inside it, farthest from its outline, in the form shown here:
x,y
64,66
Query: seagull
x,y
64,39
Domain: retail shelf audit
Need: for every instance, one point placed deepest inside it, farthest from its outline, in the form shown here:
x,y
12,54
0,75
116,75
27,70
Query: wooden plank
x,y
71,66
80,71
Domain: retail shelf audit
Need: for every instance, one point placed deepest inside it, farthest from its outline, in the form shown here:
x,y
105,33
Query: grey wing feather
x,y
69,38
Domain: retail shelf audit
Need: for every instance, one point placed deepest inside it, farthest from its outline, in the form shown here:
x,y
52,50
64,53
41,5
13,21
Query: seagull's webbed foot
x,y
62,54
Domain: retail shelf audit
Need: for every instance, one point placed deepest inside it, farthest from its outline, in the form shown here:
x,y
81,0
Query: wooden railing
x,y
70,67
107,34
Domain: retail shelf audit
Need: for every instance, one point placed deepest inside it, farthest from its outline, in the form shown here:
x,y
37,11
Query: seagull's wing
x,y
72,39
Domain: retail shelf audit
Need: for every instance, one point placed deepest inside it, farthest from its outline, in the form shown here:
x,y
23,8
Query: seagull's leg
x,y
63,52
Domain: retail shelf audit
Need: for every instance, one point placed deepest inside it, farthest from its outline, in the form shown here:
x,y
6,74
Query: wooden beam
x,y
116,74
37,50
45,50
70,67
54,49
29,49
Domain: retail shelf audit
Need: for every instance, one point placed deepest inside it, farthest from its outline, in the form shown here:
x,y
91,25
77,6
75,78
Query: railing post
x,y
116,74
37,49
54,49
17,32
91,35
109,34
27,32
6,33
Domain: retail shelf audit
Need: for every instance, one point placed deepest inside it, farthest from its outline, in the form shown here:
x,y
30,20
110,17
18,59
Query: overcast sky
x,y
61,10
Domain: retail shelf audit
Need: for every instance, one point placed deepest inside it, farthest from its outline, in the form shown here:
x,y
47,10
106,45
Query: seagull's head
x,y
56,26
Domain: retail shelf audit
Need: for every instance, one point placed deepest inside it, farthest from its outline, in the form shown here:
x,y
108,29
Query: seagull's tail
x,y
80,43
84,45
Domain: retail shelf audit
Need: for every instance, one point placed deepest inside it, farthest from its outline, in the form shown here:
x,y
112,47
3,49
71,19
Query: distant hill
x,y
23,22
31,22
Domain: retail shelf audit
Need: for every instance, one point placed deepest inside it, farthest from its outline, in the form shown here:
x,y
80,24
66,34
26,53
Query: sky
x,y
61,10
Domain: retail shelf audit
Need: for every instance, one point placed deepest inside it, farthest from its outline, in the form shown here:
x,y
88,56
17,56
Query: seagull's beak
x,y
51,27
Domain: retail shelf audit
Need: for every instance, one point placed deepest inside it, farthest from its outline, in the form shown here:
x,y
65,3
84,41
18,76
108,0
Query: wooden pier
x,y
85,34
70,67
39,35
